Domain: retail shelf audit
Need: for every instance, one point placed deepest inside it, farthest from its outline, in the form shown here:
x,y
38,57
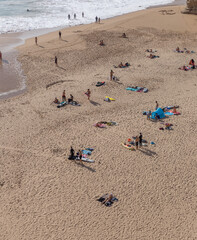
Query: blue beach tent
x,y
159,112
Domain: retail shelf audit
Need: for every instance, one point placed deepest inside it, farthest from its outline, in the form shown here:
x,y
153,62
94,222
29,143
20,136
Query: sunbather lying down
x,y
107,199
150,50
121,65
56,100
101,43
185,68
152,56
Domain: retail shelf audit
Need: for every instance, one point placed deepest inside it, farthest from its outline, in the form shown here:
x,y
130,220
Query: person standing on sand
x,y
88,94
99,20
0,57
96,19
55,60
68,16
140,139
111,75
80,156
75,15
136,142
63,96
157,105
82,14
60,35
36,40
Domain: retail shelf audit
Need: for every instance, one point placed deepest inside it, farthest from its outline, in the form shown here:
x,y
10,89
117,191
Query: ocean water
x,y
14,16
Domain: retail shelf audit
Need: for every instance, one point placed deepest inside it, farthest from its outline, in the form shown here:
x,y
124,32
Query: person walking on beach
x,y
111,75
55,60
82,14
68,16
140,139
157,105
60,35
36,40
88,94
136,142
99,20
75,15
63,96
96,19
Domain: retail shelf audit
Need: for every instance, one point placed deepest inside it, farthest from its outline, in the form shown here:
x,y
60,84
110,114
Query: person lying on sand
x,y
185,68
56,100
101,43
107,199
152,56
120,65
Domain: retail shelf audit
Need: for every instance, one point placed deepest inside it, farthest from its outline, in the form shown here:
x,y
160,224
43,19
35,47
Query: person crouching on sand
x,y
101,43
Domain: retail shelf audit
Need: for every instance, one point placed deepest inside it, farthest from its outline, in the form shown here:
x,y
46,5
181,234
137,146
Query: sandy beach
x,y
45,196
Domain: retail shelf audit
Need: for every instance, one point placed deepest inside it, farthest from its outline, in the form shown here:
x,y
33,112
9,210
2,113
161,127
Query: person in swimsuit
x,y
56,100
63,96
80,156
137,142
88,94
157,105
111,75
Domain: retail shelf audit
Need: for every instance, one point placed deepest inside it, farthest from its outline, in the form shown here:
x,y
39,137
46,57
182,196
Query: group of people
x,y
75,15
79,154
70,99
97,20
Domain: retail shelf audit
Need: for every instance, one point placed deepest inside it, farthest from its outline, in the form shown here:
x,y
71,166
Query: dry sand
x,y
45,196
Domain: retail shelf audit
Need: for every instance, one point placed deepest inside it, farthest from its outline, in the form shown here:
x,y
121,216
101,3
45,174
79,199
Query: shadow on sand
x,y
84,166
94,103
147,152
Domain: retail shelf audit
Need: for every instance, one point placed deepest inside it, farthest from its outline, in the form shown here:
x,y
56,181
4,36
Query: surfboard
x,y
128,146
84,159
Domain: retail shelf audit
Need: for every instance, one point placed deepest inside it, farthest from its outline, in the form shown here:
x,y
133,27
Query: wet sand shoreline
x,y
10,41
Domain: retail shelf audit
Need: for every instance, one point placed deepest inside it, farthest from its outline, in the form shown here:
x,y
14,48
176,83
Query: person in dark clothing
x,y
140,139
60,34
71,98
82,14
68,16
96,19
55,60
75,15
72,153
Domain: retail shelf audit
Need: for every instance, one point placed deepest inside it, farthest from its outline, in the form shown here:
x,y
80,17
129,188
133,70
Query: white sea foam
x,y
14,16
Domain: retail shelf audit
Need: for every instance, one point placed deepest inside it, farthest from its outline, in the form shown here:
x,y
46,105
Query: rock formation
x,y
191,7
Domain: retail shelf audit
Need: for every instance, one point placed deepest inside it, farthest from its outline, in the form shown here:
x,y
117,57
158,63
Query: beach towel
x,y
111,99
100,84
